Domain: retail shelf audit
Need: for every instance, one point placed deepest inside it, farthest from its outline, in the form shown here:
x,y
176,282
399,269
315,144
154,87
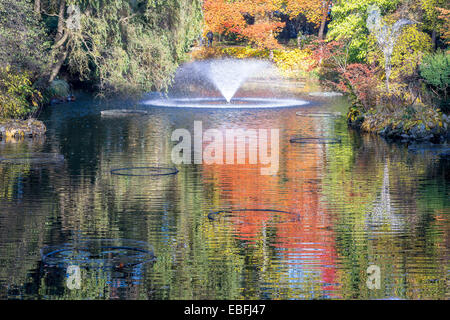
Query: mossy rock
x,y
21,128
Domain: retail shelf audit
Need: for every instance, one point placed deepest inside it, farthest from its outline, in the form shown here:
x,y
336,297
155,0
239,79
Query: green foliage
x,y
23,44
408,51
133,46
17,96
435,70
349,23
60,88
57,89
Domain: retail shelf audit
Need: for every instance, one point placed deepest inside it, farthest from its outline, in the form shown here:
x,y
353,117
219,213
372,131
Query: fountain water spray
x,y
223,75
386,36
228,75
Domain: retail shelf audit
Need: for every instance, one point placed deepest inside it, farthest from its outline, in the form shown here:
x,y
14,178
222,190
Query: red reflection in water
x,y
308,241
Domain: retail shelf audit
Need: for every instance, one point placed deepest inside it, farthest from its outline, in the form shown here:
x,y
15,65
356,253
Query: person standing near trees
x,y
210,37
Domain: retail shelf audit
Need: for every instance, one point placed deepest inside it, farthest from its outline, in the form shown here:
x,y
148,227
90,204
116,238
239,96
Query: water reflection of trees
x,y
334,188
369,174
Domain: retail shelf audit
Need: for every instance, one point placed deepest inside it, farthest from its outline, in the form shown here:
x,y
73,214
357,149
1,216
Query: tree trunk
x,y
37,7
299,40
61,20
322,27
433,38
388,75
57,66
58,44
323,21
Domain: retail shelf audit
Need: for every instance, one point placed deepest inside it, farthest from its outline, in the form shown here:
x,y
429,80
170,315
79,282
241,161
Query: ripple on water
x,y
98,253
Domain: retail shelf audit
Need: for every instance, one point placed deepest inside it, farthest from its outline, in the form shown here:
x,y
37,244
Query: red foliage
x,y
357,79
360,80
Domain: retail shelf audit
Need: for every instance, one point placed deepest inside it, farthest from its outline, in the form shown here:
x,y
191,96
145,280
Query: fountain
x,y
224,76
229,75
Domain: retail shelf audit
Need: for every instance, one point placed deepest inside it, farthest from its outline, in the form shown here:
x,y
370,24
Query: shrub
x,y
358,80
293,63
435,70
59,89
17,96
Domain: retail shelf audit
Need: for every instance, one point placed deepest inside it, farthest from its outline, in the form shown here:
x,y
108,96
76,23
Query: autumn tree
x,y
266,26
315,11
253,20
223,17
444,17
429,12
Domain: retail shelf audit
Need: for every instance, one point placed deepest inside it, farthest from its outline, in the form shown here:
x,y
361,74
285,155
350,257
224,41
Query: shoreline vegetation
x,y
396,78
112,47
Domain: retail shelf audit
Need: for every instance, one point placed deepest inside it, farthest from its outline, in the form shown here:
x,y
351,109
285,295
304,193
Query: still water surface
x,y
345,206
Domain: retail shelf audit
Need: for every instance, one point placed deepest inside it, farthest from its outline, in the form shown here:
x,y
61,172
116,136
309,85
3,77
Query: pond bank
x,y
14,128
420,124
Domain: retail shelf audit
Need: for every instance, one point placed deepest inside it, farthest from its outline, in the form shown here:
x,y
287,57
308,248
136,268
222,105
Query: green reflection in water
x,y
362,202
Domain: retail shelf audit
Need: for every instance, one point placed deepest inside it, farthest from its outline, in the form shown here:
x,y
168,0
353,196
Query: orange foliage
x,y
262,34
224,17
444,15
314,10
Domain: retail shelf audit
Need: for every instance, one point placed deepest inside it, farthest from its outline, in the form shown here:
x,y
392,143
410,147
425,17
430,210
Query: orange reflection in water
x,y
307,240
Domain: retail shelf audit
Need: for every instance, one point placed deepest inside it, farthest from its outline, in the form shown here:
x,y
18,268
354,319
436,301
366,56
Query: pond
x,y
313,230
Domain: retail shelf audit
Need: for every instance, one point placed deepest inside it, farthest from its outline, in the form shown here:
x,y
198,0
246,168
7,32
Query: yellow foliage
x,y
16,94
291,63
408,52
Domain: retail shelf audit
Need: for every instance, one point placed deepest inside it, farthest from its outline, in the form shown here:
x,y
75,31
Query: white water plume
x,y
225,75
228,75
